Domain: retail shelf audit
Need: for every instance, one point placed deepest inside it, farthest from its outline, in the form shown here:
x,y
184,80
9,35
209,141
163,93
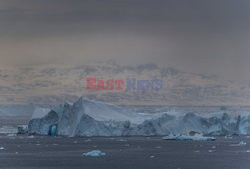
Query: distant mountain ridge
x,y
53,84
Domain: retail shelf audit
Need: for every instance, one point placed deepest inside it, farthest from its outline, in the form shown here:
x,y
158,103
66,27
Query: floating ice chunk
x,y
228,137
22,129
195,137
2,148
241,143
122,140
31,136
94,153
11,135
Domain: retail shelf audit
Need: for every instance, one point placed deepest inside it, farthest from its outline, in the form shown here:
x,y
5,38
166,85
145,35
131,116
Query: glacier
x,y
88,117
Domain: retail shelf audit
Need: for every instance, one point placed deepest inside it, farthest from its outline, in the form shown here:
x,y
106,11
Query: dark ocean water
x,y
43,152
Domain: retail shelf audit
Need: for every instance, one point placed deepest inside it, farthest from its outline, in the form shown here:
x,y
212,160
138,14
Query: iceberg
x,y
88,117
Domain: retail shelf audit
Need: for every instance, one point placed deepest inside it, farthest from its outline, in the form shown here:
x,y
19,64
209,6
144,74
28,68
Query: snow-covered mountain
x,y
53,84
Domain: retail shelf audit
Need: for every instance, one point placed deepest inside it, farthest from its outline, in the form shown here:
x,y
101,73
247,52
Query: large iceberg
x,y
94,118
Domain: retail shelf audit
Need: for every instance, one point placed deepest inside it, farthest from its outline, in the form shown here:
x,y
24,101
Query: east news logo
x,y
131,84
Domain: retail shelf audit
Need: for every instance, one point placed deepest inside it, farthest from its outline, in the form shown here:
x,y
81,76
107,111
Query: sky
x,y
202,36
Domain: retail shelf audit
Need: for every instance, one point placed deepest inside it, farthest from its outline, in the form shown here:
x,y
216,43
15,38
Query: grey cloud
x,y
196,35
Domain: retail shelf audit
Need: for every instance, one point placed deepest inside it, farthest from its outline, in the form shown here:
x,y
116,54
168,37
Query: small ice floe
x,y
122,140
75,142
94,153
158,147
2,148
247,151
22,129
197,151
152,156
11,135
228,137
241,143
31,136
88,140
195,137
213,147
211,151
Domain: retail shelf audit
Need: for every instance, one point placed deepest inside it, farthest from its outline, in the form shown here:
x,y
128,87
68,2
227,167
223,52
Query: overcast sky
x,y
211,36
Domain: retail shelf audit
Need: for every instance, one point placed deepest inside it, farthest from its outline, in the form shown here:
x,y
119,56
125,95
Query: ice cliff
x,y
93,118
